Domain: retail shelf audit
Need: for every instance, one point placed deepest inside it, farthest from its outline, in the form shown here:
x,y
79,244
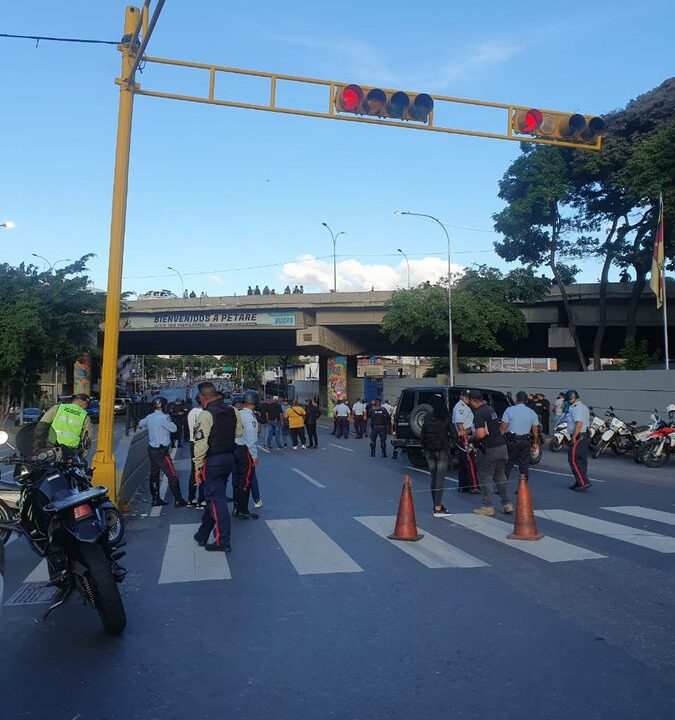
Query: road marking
x,y
430,551
644,513
547,548
553,472
308,478
325,427
426,472
634,536
263,448
309,549
40,574
342,447
185,561
163,487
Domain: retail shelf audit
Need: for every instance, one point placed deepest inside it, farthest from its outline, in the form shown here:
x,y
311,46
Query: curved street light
x,y
451,373
51,265
335,237
182,284
8,224
407,262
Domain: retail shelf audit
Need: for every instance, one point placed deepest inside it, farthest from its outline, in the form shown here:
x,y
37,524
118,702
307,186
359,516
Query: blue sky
x,y
214,190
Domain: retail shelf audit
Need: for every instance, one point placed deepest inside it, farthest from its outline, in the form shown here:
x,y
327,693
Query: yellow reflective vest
x,y
67,425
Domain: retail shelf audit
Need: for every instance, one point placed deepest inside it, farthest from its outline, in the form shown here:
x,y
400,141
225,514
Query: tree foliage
x,y
45,315
483,307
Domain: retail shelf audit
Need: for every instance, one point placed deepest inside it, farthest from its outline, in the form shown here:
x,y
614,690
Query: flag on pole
x,y
658,258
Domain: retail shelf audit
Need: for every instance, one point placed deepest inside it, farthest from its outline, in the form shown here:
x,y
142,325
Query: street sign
x,y
228,368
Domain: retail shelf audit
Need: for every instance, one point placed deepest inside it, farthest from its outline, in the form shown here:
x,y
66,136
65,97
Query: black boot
x,y
372,451
154,493
177,495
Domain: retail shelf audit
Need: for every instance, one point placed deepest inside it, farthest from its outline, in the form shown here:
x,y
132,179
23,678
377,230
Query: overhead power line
x,y
37,39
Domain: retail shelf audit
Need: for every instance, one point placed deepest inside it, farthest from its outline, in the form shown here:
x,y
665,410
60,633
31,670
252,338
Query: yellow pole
x,y
104,460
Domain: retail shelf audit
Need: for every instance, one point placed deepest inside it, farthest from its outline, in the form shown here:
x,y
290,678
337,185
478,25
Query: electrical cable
x,y
37,39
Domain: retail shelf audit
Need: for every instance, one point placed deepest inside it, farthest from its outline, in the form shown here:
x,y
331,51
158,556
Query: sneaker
x,y
295,447
158,502
507,508
580,488
192,504
258,503
199,540
180,503
214,547
304,447
442,512
485,510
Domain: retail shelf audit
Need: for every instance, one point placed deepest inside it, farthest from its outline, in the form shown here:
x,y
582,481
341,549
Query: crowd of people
x,y
297,290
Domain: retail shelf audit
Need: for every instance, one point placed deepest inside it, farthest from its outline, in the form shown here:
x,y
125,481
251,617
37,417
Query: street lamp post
x,y
182,284
407,262
451,368
51,265
8,225
335,237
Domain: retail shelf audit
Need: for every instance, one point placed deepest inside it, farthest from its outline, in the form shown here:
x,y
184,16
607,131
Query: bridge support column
x,y
338,376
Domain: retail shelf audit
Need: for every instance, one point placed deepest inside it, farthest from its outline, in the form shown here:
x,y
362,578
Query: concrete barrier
x,y
136,466
634,394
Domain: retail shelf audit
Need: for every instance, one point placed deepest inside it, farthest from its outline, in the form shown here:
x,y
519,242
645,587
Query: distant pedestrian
x,y
435,440
359,413
545,416
302,289
296,423
256,290
341,414
577,452
274,421
312,414
287,290
520,427
266,290
249,291
193,294
379,422
491,457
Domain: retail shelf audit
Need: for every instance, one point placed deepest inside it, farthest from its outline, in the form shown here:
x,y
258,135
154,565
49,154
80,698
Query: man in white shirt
x,y
246,456
342,413
192,485
390,412
359,412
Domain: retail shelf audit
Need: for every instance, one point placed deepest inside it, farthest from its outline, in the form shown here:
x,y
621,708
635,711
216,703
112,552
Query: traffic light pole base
x,y
105,473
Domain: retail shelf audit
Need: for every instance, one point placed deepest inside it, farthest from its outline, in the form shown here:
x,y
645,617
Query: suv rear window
x,y
428,396
407,401
499,404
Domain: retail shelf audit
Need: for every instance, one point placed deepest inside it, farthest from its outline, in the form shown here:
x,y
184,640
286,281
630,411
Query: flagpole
x,y
665,317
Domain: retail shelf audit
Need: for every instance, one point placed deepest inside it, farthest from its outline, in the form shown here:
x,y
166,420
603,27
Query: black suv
x,y
413,405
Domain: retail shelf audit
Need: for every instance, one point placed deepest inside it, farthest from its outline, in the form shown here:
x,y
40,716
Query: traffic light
x,y
560,126
383,103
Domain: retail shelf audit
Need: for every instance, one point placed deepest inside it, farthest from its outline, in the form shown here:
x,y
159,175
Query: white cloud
x,y
216,279
353,275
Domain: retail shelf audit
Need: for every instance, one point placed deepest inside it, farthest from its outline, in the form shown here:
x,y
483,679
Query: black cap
x,y
465,393
475,395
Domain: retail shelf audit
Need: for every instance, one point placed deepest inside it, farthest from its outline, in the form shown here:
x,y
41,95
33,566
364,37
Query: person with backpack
x,y
436,446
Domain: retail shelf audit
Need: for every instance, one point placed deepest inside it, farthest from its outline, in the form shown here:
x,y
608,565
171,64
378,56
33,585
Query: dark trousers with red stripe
x,y
577,456
245,480
160,461
466,467
192,485
216,516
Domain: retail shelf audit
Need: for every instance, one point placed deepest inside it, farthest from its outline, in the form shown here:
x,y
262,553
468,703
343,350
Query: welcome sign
x,y
210,319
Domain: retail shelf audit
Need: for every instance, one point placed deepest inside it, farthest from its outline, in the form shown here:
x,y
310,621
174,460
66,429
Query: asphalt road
x,y
316,615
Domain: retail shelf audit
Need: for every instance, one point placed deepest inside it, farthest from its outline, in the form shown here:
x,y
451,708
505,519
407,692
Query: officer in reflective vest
x,y
66,425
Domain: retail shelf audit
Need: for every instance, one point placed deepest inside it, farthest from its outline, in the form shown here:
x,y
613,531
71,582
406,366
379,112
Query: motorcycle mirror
x,y
611,408
4,437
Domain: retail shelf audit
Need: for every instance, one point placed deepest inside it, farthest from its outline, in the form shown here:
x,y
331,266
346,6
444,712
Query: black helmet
x,y
571,395
237,398
160,403
251,396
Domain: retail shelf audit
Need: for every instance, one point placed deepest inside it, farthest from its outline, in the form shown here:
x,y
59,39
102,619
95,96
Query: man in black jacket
x,y
312,413
379,422
436,445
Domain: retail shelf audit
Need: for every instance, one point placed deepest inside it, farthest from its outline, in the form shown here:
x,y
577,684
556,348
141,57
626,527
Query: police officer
x,y
66,425
216,429
462,425
160,427
519,424
491,457
379,422
246,456
577,452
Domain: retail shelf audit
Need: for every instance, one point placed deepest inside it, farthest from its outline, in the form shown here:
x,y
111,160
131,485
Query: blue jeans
x,y
273,431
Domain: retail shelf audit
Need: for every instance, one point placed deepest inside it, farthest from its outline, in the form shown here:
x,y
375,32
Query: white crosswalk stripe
x,y
430,551
645,513
185,561
309,549
615,531
547,548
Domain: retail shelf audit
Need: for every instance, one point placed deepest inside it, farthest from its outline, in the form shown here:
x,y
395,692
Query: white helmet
x,y
670,408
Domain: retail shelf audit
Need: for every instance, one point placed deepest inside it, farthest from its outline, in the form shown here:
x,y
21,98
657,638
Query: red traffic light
x,y
530,121
349,98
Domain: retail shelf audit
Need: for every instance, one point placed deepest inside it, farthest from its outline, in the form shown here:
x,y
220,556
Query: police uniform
x,y
519,418
466,466
66,425
215,432
379,422
160,427
246,453
577,452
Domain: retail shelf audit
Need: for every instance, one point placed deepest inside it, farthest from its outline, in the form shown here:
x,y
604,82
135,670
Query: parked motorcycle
x,y
71,524
595,430
618,435
560,438
659,444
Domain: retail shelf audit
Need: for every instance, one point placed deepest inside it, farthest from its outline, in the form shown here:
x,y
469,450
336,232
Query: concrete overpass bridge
x,y
328,324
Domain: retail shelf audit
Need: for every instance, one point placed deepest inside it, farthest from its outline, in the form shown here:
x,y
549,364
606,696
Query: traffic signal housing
x,y
377,102
574,128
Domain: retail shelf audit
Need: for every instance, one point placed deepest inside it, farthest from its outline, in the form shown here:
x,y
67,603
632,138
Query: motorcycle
x,y
658,445
53,505
618,436
595,430
561,437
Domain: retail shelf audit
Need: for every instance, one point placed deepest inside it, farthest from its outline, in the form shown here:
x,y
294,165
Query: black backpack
x,y
435,433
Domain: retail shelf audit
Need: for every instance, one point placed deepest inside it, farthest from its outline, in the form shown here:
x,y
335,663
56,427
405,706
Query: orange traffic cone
x,y
406,526
525,526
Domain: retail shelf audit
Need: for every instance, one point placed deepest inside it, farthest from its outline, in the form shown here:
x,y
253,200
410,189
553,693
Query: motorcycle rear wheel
x,y
5,516
554,445
621,445
107,598
648,458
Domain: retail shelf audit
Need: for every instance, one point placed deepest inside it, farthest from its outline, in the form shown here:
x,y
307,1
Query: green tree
x,y
484,305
